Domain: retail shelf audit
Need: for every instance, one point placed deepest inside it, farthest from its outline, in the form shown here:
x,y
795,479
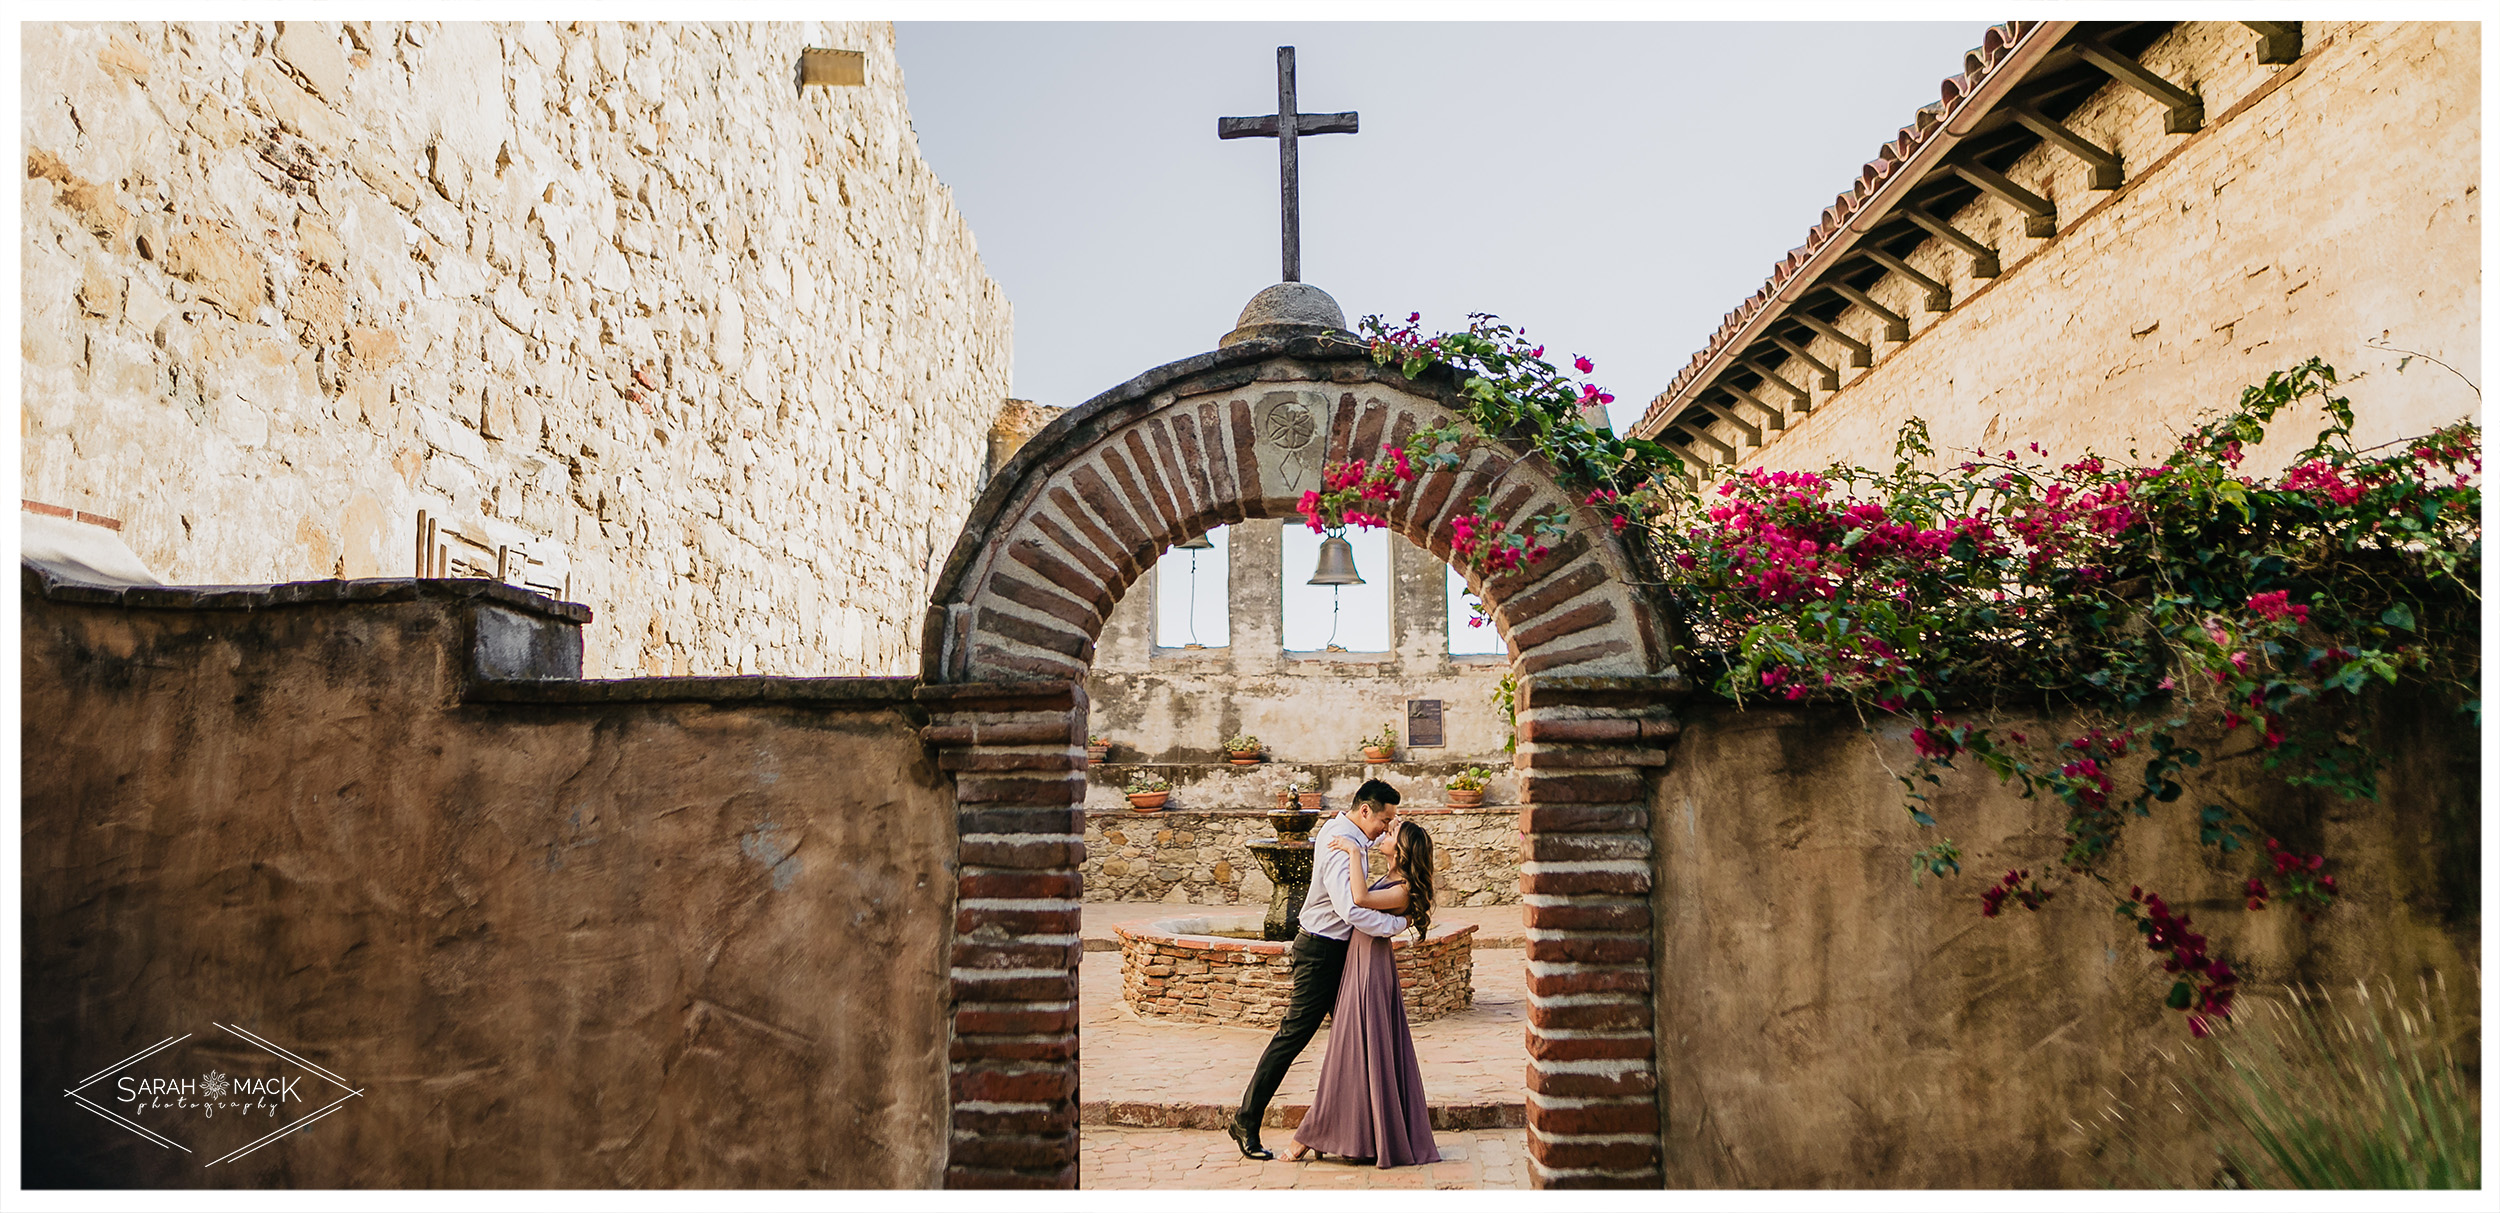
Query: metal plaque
x,y
1423,722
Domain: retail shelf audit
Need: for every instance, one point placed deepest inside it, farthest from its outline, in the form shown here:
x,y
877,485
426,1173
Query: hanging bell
x,y
1336,563
1195,543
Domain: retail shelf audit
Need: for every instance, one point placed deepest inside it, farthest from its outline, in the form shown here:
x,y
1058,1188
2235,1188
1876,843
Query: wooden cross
x,y
1285,126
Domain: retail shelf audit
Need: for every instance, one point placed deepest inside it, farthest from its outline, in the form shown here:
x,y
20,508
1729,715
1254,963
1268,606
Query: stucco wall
x,y
2337,213
718,350
655,934
1823,1023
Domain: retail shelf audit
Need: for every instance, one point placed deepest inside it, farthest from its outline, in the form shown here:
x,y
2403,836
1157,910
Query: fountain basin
x,y
1215,968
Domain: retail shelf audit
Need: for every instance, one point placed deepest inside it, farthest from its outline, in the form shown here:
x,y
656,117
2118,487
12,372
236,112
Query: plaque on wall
x,y
1423,722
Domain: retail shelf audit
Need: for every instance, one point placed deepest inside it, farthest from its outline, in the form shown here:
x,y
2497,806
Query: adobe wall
x,y
659,933
716,351
2327,208
1823,1023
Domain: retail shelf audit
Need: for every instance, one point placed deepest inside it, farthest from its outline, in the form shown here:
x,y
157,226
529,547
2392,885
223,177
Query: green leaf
x,y
2397,616
2181,994
2235,493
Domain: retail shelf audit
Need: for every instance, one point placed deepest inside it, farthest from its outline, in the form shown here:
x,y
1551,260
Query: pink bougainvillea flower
x,y
1583,365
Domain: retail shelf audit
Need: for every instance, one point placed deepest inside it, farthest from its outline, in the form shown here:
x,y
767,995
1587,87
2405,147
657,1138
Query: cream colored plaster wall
x,y
719,351
2338,215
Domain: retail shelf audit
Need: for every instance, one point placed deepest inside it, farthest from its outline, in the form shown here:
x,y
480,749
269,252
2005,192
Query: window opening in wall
x,y
1467,641
1357,614
1193,594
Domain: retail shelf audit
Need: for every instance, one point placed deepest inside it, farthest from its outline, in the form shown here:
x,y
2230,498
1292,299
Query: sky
x,y
1614,188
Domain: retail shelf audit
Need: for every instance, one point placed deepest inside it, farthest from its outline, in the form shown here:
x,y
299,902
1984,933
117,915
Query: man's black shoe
x,y
1248,1139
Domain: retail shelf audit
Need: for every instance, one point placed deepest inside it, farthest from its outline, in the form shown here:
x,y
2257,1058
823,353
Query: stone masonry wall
x,y
2337,215
1199,978
1201,858
706,351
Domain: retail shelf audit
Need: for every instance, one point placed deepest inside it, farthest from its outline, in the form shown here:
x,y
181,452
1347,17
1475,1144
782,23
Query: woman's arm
x,y
1390,900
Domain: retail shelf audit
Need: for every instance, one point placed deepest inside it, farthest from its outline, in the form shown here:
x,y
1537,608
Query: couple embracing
x,y
1371,878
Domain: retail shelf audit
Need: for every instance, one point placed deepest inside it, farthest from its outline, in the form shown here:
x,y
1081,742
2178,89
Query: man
x,y
1329,919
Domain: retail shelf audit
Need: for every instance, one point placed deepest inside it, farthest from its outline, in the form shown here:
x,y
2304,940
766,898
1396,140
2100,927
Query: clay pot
x,y
1147,802
1459,799
1244,758
1096,755
1373,753
1310,802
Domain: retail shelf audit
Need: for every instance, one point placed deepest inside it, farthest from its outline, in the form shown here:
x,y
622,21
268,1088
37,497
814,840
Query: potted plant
x,y
1097,748
1381,746
1306,789
1466,789
1147,791
1243,749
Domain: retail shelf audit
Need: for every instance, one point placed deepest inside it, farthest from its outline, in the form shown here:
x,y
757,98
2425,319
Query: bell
x,y
1336,563
1196,543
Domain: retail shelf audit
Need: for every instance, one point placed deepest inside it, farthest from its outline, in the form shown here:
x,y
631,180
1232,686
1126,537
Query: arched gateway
x,y
1078,516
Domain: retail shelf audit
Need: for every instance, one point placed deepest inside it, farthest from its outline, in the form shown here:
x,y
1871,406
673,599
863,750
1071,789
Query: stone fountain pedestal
x,y
1286,859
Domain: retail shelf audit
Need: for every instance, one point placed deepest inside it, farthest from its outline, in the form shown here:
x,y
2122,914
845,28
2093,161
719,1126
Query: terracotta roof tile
x,y
1995,46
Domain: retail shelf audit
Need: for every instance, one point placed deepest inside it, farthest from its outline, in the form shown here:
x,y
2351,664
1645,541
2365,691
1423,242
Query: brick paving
x,y
1155,1095
1119,1157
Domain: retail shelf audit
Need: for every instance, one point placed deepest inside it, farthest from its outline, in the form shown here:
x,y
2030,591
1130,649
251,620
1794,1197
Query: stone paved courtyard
x,y
1120,1157
1156,1094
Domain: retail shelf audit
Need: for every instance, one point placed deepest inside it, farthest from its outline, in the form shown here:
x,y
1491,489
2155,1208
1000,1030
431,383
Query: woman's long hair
x,y
1415,859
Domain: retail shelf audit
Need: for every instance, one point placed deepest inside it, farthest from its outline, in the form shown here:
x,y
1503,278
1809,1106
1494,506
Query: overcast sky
x,y
1613,187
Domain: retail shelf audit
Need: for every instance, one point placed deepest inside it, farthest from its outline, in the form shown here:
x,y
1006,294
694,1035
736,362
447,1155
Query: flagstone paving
x,y
1147,1073
1120,1157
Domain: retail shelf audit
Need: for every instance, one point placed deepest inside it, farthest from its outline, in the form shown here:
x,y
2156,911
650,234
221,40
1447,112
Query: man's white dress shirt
x,y
1329,910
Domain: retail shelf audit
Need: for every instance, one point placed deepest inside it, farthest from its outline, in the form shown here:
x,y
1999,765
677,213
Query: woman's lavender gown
x,y
1370,1102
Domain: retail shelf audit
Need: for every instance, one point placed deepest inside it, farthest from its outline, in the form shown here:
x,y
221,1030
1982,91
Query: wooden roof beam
x,y
1777,417
1753,433
1828,378
2186,109
1804,398
2278,41
1703,434
1983,260
1896,325
1939,296
1860,354
2108,169
1694,465
2039,214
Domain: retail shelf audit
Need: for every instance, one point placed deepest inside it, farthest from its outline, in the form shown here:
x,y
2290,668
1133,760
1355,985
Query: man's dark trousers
x,y
1318,962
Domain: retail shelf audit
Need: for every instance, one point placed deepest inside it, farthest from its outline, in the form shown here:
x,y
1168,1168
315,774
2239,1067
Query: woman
x,y
1370,1102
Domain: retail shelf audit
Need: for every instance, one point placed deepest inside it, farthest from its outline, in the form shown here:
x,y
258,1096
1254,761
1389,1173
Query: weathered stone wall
x,y
1823,1022
2328,208
1171,705
658,933
1201,857
1177,970
716,352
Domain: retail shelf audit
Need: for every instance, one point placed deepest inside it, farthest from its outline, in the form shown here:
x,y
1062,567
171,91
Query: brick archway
x,y
1060,535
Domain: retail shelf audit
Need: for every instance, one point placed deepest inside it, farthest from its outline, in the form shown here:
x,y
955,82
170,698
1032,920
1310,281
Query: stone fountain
x,y
1287,860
